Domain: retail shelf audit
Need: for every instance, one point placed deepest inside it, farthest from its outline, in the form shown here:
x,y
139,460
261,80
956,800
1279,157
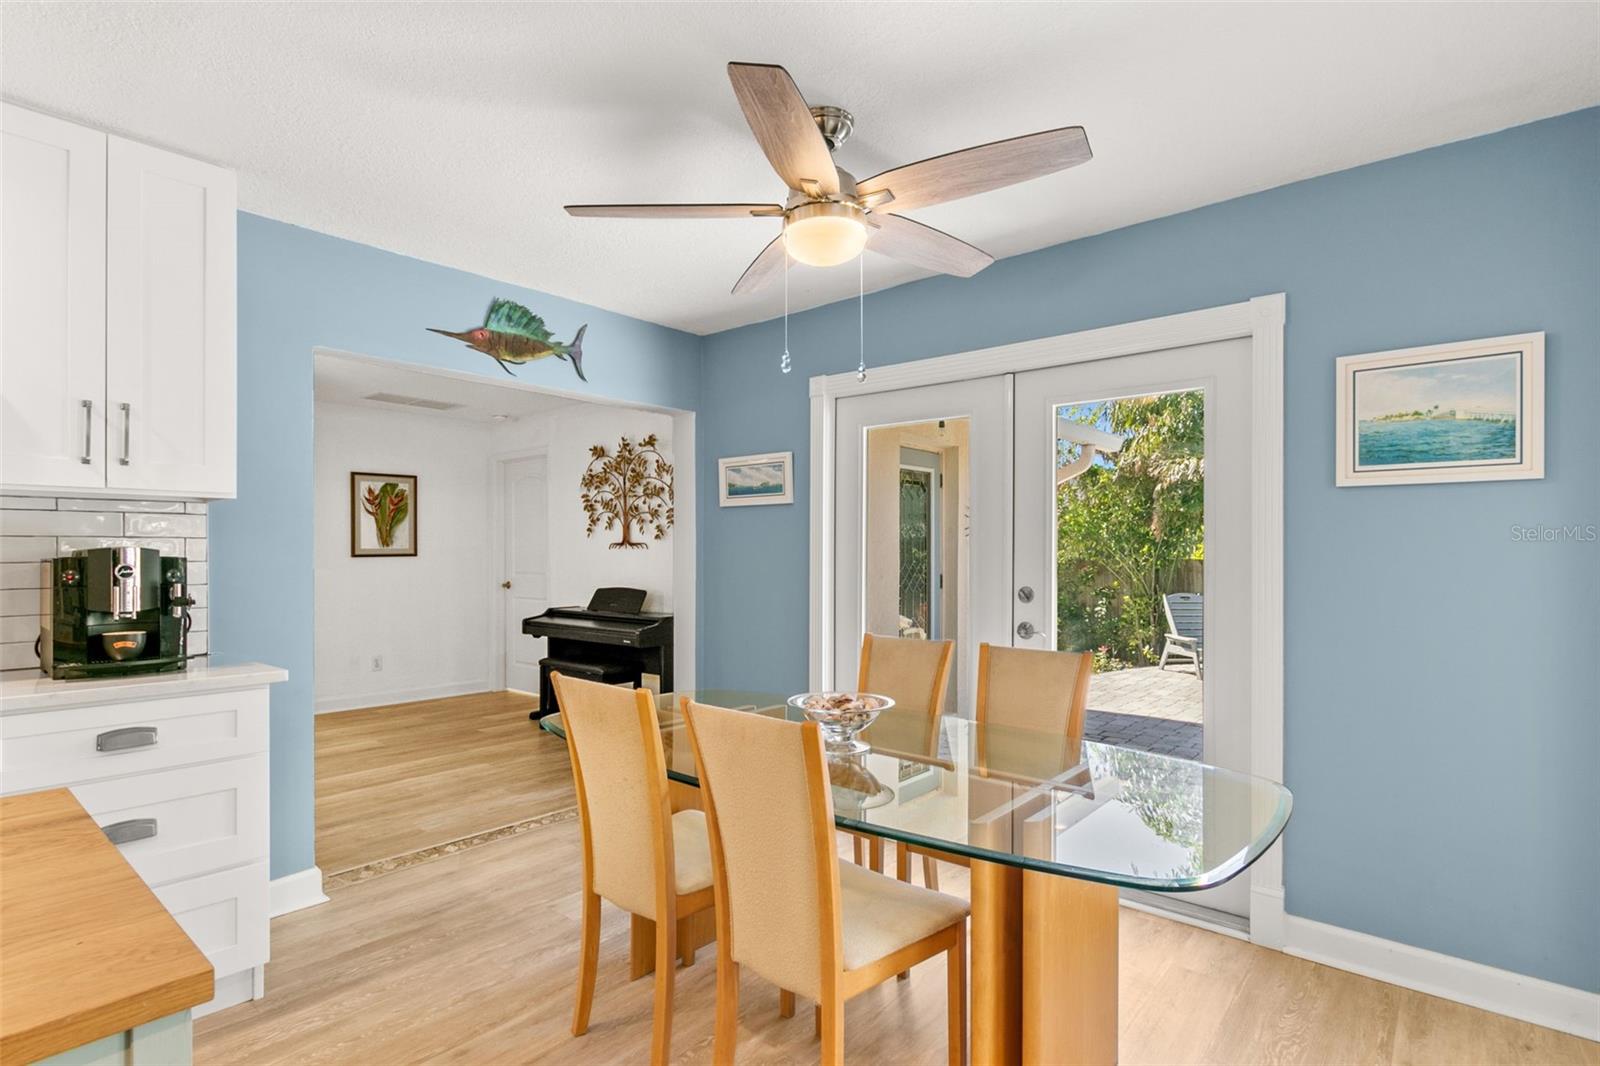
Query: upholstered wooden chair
x,y
1022,688
787,908
637,854
915,674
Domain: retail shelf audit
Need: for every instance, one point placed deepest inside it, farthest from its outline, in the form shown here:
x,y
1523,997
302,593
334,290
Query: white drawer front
x,y
225,914
203,818
47,749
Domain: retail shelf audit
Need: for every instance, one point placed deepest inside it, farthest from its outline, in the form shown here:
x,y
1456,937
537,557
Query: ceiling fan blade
x,y
766,266
675,210
974,170
924,246
782,122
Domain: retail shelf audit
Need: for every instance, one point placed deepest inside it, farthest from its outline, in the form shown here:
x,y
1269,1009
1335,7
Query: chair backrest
x,y
614,740
769,812
1026,688
913,673
1186,615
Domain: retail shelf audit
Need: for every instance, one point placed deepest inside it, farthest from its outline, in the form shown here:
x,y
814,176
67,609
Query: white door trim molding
x,y
1262,321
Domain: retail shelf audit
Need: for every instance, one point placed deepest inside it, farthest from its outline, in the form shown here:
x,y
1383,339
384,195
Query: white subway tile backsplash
x,y
19,628
26,549
164,545
165,506
19,656
37,528
165,525
21,575
20,601
61,523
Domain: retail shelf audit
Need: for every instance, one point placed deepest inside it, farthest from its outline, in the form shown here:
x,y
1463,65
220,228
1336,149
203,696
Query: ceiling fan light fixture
x,y
825,233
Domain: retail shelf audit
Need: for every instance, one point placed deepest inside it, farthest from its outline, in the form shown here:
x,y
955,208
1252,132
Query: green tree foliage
x,y
1124,525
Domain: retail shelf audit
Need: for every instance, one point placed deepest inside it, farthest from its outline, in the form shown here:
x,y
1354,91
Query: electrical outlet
x,y
377,664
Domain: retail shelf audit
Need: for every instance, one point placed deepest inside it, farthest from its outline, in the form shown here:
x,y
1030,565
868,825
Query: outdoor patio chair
x,y
1185,629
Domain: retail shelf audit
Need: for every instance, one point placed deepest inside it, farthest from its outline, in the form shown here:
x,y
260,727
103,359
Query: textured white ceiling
x,y
455,132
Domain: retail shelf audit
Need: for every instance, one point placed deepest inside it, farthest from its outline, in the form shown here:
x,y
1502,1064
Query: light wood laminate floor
x,y
469,956
392,780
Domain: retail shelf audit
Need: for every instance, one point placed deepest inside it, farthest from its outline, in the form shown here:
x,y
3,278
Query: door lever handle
x,y
1026,631
505,584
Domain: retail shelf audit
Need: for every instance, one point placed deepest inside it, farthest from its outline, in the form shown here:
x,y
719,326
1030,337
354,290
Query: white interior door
x,y
968,424
1221,372
53,325
525,586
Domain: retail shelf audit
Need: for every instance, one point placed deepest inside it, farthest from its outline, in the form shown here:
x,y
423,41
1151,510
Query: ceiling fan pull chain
x,y
784,363
861,316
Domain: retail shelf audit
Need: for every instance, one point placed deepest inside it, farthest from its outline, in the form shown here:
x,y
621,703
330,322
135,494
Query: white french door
x,y
1005,433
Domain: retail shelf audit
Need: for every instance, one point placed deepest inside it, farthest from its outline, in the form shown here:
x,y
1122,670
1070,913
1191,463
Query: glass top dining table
x,y
1020,797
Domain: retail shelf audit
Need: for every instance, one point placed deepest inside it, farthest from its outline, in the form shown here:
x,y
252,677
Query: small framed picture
x,y
383,514
753,480
1472,411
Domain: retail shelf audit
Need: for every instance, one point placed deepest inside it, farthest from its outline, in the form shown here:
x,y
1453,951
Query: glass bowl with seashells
x,y
842,715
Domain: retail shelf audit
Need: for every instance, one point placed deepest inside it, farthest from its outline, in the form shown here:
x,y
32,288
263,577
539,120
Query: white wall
x,y
427,616
578,563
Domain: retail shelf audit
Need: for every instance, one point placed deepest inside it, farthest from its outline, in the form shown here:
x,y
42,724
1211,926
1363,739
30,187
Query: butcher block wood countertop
x,y
86,950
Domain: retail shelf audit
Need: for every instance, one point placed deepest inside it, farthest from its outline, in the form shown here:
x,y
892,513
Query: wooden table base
x,y
1044,969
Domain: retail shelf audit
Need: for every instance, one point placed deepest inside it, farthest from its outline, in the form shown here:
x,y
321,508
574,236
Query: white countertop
x,y
42,693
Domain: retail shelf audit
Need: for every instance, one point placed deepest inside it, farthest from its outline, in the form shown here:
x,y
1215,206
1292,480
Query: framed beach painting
x,y
1472,411
753,480
383,514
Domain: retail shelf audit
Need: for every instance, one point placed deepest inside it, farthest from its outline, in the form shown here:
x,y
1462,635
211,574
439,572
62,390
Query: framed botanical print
x,y
1472,411
750,480
383,514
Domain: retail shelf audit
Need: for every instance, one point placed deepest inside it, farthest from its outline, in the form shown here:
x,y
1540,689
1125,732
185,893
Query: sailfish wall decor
x,y
513,334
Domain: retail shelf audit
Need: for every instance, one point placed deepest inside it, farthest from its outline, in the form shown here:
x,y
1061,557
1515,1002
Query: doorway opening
x,y
424,679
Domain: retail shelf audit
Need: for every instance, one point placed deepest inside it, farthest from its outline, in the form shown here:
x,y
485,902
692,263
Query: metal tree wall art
x,y
631,488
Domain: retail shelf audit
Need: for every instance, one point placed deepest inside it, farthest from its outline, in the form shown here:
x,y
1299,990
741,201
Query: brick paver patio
x,y
1147,708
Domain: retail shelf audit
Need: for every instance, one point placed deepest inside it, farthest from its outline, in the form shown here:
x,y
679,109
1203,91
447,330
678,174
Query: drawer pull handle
x,y
126,832
126,738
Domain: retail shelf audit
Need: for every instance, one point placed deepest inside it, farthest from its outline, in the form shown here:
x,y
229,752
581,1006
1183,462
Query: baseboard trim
x,y
333,704
1531,999
295,892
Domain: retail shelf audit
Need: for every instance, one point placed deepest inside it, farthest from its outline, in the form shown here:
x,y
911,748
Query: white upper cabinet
x,y
119,369
53,332
170,335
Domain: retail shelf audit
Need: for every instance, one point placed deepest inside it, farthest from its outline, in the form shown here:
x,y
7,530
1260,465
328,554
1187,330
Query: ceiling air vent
x,y
412,401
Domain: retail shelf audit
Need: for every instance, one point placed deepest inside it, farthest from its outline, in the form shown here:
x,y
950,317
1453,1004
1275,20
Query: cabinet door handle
x,y
126,832
127,431
126,738
88,433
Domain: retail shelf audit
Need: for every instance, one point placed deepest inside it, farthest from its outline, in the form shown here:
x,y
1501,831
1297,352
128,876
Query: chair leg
x,y
727,1025
930,872
831,1031
956,963
661,1030
785,1003
588,962
1165,650
685,944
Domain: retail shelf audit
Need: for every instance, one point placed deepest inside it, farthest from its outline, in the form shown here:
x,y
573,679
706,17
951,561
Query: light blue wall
x,y
299,289
1442,696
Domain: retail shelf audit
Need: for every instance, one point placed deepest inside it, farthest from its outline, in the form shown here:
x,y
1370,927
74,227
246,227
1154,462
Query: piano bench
x,y
604,673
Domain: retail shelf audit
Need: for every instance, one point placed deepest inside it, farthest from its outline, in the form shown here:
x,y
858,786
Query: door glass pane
x,y
1130,564
915,553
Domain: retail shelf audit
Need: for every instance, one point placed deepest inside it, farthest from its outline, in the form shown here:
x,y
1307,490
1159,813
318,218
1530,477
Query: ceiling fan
x,y
829,216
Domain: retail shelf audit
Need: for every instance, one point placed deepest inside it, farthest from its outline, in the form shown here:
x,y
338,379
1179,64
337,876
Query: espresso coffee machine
x,y
115,611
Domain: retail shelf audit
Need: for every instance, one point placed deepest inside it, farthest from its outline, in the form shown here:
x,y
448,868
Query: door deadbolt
x,y
1025,594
